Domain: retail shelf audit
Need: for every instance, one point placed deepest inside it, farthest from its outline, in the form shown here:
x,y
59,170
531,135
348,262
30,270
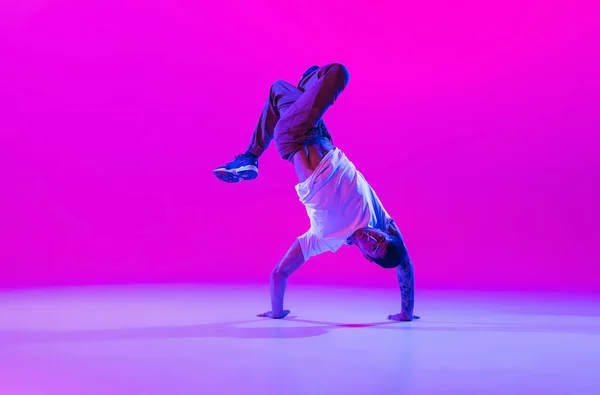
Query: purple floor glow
x,y
196,339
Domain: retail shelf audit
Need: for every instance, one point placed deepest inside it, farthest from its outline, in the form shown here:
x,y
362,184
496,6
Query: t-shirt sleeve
x,y
311,245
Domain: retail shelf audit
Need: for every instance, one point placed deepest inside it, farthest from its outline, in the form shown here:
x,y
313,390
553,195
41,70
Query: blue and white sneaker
x,y
244,167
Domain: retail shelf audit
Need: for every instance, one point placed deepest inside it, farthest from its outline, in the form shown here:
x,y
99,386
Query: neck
x,y
352,238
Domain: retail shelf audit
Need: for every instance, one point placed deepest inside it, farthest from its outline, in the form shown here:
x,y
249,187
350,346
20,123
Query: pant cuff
x,y
256,151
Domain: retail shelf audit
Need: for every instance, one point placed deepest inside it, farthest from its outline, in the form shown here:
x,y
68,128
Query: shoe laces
x,y
244,155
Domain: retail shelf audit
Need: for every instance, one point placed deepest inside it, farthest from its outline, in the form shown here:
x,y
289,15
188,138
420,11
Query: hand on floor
x,y
402,317
269,314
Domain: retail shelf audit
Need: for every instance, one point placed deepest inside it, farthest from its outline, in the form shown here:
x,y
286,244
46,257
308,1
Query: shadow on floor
x,y
274,330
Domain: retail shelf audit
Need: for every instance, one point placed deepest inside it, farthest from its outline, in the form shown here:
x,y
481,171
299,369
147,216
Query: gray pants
x,y
292,116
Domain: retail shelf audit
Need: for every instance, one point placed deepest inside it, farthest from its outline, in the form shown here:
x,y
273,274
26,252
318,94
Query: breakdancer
x,y
341,205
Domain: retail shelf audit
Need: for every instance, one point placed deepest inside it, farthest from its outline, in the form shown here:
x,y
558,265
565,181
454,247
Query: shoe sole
x,y
232,176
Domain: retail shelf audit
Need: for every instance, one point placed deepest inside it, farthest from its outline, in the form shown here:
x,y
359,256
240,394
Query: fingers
x,y
269,314
398,317
284,313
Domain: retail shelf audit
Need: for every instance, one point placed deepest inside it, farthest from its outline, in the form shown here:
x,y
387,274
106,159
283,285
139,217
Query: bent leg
x,y
245,166
281,96
299,122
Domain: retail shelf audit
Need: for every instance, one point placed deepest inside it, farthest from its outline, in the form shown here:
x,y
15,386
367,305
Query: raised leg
x,y
281,96
292,117
302,122
245,166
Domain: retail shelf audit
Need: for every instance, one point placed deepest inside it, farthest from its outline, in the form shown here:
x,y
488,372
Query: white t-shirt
x,y
339,201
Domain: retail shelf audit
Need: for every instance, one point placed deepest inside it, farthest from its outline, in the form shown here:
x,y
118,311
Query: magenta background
x,y
476,123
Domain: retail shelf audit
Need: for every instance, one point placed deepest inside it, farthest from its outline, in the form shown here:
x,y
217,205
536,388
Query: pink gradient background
x,y
477,124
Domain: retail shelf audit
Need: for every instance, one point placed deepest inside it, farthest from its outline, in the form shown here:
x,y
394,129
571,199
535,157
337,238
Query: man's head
x,y
386,250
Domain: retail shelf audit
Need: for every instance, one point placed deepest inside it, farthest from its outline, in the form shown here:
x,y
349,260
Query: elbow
x,y
279,273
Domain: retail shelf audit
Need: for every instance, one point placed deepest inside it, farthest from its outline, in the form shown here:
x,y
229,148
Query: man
x,y
341,205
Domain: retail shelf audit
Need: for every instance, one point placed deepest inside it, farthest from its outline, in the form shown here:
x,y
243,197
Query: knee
x,y
279,85
339,71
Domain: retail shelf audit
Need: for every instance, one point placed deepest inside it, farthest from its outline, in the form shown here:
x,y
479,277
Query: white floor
x,y
194,339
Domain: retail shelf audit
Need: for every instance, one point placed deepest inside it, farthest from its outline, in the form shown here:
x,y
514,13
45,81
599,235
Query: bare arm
x,y
292,260
406,281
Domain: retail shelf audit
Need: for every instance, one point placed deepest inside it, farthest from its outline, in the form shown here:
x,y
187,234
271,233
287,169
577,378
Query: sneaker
x,y
244,167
